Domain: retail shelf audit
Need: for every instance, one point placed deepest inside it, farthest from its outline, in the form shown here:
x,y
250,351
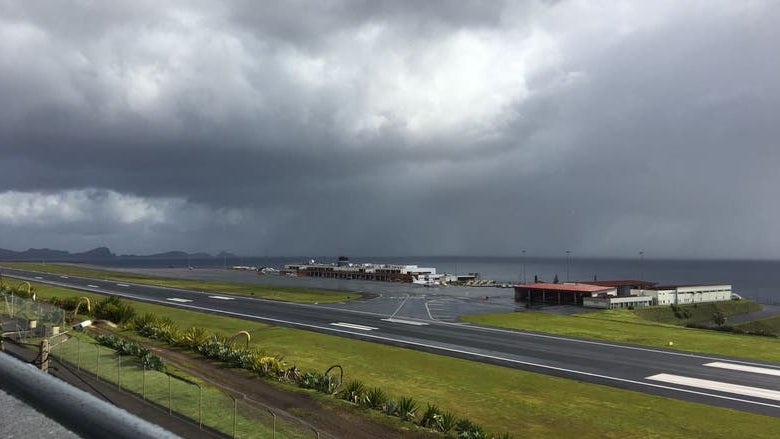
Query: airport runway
x,y
728,382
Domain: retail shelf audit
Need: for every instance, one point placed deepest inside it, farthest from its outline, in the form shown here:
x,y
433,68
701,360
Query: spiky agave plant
x,y
353,391
430,416
407,408
375,398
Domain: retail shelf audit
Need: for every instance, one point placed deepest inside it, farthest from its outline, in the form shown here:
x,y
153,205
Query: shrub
x,y
390,407
469,430
310,380
446,422
113,309
66,303
353,392
194,336
430,416
375,398
329,384
407,409
126,347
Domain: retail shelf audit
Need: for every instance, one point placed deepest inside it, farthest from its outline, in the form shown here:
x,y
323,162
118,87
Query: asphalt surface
x,y
410,320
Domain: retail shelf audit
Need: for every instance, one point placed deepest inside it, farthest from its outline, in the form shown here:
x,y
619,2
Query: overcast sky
x,y
392,127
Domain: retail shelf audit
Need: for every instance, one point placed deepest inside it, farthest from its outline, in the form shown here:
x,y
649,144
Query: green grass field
x,y
287,294
697,312
626,327
500,399
770,325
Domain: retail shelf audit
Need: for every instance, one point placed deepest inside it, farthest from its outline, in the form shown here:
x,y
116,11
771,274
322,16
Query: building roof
x,y
570,287
674,287
618,283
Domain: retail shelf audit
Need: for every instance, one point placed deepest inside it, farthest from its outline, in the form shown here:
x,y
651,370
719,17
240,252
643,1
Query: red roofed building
x,y
542,293
624,287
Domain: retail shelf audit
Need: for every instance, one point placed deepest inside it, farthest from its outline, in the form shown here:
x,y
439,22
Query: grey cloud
x,y
660,139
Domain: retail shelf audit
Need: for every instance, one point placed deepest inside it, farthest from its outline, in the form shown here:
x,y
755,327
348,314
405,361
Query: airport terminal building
x,y
618,294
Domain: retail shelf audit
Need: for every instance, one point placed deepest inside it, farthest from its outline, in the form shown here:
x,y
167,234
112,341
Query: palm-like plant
x,y
353,391
375,398
407,409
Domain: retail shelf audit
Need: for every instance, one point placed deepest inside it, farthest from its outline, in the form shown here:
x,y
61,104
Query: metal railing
x,y
204,404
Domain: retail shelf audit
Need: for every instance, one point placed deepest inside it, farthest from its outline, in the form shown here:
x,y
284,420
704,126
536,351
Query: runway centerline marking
x,y
92,286
122,285
176,299
405,322
354,326
718,386
221,297
744,368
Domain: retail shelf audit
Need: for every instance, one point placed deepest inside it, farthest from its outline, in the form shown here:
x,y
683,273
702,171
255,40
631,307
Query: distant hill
x,y
95,253
99,253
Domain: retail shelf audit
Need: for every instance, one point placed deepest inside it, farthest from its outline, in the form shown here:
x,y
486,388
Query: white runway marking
x,y
92,286
122,285
744,368
717,386
38,277
405,322
64,277
176,299
221,297
354,326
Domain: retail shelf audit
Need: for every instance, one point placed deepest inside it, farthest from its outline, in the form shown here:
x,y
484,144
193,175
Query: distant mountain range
x,y
46,254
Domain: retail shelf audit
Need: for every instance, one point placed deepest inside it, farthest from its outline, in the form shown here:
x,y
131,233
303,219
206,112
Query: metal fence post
x,y
200,407
143,383
235,413
118,369
78,354
170,400
97,366
274,424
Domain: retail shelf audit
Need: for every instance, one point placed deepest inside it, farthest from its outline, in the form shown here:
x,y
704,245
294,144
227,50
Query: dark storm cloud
x,y
391,127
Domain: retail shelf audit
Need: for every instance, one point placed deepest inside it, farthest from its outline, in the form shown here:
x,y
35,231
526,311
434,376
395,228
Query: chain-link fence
x,y
201,403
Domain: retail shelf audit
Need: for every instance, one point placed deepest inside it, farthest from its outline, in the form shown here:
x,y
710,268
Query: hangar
x,y
543,293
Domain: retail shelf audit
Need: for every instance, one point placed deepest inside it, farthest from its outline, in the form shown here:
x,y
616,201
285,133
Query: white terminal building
x,y
683,294
365,271
619,294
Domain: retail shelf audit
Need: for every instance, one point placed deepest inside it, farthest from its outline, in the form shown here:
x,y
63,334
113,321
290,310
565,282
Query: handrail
x,y
73,408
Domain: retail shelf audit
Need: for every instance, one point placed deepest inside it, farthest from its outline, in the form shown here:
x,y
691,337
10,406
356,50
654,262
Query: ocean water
x,y
758,280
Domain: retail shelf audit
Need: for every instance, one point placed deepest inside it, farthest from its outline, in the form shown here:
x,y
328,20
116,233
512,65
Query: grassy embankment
x,y
500,399
769,325
287,294
640,327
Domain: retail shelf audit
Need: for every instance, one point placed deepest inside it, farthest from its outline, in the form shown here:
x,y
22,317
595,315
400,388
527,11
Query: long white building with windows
x,y
683,294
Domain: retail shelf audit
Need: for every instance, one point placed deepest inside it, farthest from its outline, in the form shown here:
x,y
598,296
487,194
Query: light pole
x,y
523,267
568,252
641,265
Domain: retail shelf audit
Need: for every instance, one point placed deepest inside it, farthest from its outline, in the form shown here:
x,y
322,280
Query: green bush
x,y
407,409
469,430
66,303
430,416
375,398
114,309
126,347
353,392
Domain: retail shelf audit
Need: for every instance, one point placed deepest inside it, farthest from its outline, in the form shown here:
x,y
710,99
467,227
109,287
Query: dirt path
x,y
329,420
